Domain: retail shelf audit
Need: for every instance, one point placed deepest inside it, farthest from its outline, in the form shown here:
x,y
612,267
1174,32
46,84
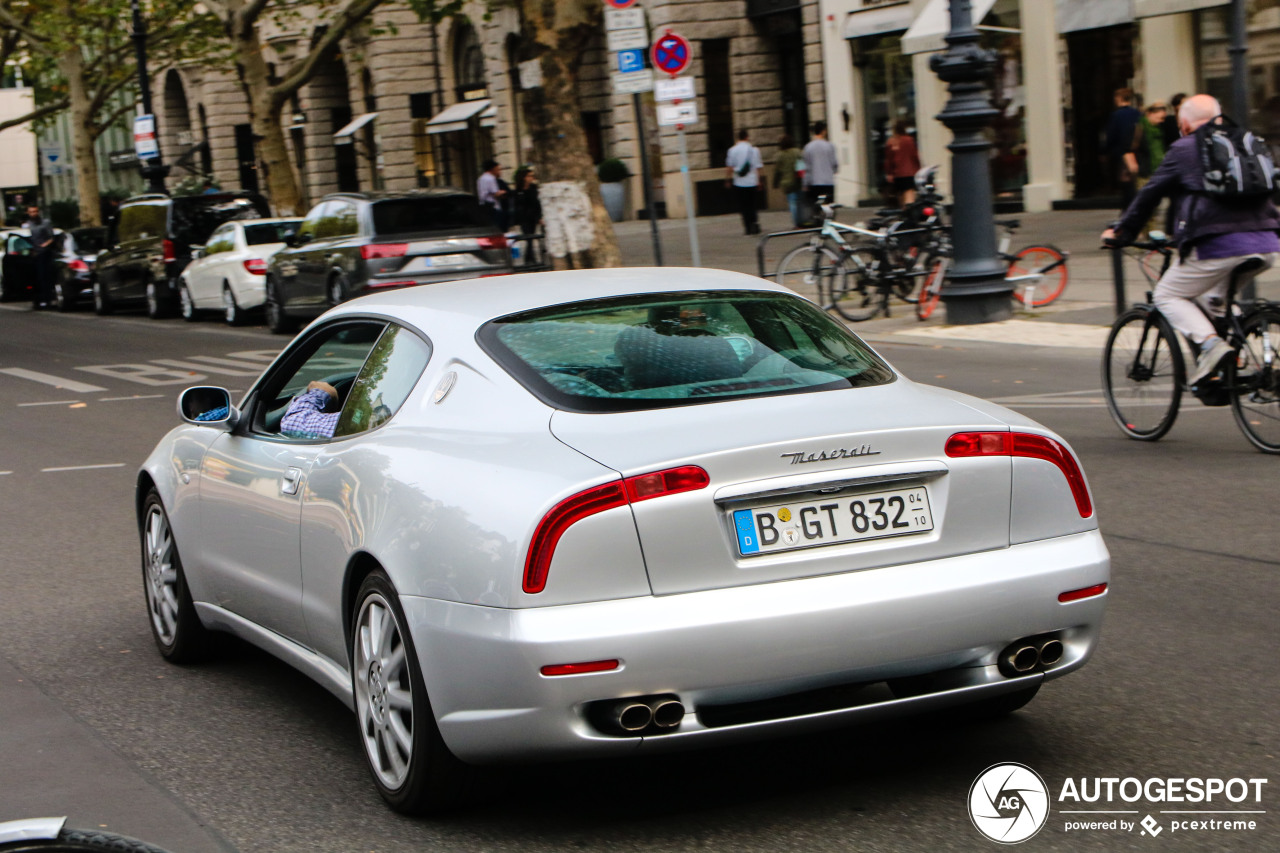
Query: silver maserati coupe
x,y
606,511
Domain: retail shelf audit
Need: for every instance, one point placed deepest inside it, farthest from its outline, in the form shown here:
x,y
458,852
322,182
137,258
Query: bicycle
x,y
856,280
1144,373
1030,265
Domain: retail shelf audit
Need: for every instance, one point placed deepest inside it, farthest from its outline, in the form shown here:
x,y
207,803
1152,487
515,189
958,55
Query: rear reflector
x,y
498,242
579,668
595,500
77,265
1087,592
256,266
1030,446
374,283
166,248
373,251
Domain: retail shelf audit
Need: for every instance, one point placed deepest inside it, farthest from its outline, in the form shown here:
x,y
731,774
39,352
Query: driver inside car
x,y
313,413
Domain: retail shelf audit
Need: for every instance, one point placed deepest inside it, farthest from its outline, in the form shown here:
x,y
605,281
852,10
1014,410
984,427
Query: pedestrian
x,y
1213,236
527,209
42,239
788,175
489,191
1169,127
901,162
743,165
1150,150
1121,145
820,165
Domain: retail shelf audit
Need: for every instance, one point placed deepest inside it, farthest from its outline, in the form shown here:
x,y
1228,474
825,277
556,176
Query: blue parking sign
x,y
631,60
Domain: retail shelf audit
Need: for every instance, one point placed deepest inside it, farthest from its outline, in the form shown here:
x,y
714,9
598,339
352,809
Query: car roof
x,y
483,299
387,195
264,221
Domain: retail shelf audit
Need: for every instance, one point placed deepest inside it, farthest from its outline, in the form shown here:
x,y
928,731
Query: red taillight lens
x,y
1087,592
373,251
579,668
372,284
78,265
928,211
166,246
1030,446
256,266
498,242
597,499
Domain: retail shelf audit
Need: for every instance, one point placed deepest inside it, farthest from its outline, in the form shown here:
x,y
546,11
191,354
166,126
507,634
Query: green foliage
x,y
612,170
193,185
64,213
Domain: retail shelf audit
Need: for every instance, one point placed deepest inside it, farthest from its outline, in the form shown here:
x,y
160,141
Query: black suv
x,y
151,241
356,243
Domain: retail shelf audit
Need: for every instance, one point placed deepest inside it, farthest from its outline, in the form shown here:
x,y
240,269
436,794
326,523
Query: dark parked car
x,y
356,243
18,263
73,265
150,245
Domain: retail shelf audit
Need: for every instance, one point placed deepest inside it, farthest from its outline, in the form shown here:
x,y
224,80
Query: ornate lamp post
x,y
975,291
153,169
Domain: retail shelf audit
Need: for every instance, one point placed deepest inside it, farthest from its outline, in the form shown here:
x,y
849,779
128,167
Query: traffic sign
x,y
630,60
628,39
670,115
675,89
145,144
633,82
623,19
671,53
619,4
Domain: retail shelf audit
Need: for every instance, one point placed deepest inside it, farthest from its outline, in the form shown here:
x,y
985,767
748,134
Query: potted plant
x,y
613,174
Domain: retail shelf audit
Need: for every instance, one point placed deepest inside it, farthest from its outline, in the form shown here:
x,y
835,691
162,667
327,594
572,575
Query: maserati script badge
x,y
827,455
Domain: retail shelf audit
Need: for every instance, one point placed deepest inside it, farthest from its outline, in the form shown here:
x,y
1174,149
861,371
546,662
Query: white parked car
x,y
229,273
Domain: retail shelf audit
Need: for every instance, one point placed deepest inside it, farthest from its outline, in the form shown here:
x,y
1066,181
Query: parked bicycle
x,y
1037,272
1144,371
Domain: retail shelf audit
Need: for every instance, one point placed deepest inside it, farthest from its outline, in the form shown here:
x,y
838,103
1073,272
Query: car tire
x,y
187,305
82,841
64,298
279,322
158,307
5,295
410,764
175,625
232,311
339,290
101,298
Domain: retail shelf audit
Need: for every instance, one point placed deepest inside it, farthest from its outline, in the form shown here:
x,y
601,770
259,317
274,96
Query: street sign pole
x,y
688,198
648,182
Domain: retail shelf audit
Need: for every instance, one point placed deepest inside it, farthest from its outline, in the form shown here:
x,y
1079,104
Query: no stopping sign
x,y
670,53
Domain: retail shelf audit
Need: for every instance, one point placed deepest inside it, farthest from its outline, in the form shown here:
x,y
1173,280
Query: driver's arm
x,y
306,416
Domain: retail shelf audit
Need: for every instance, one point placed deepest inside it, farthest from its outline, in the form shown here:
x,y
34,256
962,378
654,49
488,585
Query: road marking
x,y
2,473
51,403
1041,333
206,360
133,397
145,374
212,368
264,355
55,381
82,467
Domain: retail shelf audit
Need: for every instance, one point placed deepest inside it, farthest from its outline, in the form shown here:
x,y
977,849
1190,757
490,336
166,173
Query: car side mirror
x,y
208,405
197,252
289,238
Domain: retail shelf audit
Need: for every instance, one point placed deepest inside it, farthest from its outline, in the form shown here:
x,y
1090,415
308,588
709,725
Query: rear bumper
x,y
721,647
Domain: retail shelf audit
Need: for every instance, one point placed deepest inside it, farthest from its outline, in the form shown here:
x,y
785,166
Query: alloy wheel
x,y
162,577
383,691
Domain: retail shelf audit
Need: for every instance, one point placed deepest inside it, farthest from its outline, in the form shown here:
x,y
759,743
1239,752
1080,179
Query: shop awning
x,y
929,30
355,124
1073,16
489,118
1155,8
457,116
873,22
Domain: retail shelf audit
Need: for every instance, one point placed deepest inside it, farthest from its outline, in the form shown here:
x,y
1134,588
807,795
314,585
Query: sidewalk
x,y
1078,318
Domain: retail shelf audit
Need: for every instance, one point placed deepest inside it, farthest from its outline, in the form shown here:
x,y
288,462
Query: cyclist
x,y
1213,237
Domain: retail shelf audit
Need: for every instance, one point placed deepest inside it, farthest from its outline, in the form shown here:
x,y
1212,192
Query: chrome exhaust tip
x,y
668,713
1051,652
1024,659
630,716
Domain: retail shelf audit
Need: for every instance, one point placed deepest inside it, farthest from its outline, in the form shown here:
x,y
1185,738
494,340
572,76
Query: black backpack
x,y
1237,163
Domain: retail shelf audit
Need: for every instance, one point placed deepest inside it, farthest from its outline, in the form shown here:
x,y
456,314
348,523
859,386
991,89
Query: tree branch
x,y
101,127
304,69
37,114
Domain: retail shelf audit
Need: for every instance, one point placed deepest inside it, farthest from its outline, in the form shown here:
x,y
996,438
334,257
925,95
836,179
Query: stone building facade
x,y
410,104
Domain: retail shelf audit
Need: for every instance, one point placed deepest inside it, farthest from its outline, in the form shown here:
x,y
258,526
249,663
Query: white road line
x,y
51,403
2,473
55,381
82,467
134,397
224,362
196,368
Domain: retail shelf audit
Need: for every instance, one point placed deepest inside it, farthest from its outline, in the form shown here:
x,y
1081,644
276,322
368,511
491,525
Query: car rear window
x,y
143,220
196,217
89,239
672,349
435,213
260,233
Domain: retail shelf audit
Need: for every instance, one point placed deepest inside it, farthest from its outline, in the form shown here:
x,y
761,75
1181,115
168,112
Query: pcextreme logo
x,y
1009,803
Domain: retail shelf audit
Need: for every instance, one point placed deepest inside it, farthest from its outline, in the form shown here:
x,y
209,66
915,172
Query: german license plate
x,y
423,263
812,523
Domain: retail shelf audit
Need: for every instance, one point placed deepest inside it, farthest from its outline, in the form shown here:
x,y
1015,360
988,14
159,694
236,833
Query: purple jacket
x,y
1198,215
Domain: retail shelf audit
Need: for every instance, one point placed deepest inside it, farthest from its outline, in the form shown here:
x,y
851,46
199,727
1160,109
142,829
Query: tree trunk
x,y
556,34
71,65
265,107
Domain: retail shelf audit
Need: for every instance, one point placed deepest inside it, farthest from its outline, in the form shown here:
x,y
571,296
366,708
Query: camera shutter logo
x,y
1009,803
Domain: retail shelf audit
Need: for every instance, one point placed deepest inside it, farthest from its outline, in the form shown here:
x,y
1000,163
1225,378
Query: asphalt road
x,y
245,753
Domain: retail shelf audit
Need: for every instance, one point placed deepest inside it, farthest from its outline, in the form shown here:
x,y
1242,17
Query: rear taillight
x,y
597,499
1078,594
166,246
1028,445
372,284
496,242
373,251
77,265
256,266
580,668
928,211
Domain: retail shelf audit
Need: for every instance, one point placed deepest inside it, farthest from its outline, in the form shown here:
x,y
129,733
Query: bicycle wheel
x,y
915,259
1029,260
810,271
1143,374
1254,379
931,290
856,292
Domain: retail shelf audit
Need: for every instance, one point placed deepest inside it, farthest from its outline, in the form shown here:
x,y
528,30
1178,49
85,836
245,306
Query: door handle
x,y
290,481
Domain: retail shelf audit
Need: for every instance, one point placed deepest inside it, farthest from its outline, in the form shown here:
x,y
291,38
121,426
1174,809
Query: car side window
x,y
385,382
218,242
334,354
345,221
310,226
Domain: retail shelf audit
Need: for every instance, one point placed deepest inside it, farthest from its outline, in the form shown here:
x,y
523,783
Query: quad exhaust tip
x,y
1032,654
637,715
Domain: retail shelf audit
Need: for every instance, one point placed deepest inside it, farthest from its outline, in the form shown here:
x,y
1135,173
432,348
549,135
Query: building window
x,y
468,64
719,98
246,157
595,136
424,152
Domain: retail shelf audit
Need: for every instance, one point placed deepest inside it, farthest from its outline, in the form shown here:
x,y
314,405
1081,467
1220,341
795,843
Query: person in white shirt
x,y
489,190
821,165
743,165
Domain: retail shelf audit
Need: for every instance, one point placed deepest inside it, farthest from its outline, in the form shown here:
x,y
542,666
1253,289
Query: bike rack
x,y
760,271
